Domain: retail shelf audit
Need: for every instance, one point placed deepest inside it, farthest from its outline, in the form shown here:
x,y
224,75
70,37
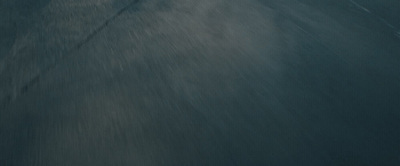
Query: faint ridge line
x,y
360,6
384,21
102,26
10,97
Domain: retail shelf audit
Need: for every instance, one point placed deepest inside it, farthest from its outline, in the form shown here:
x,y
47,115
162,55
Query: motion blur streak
x,y
210,82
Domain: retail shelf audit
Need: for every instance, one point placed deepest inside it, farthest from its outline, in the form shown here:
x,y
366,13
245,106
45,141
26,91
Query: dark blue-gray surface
x,y
212,82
